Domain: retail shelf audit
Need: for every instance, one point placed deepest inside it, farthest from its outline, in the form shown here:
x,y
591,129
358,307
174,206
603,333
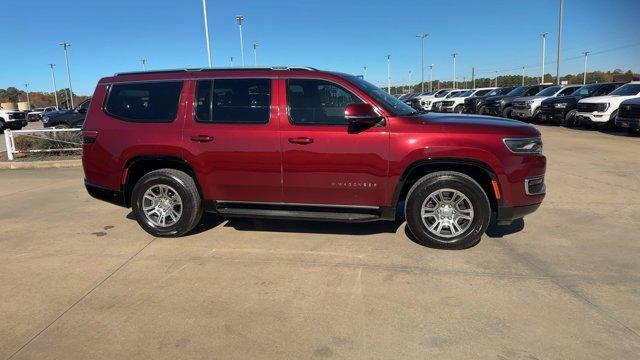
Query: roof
x,y
200,70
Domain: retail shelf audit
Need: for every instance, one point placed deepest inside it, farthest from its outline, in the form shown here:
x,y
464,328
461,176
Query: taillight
x,y
89,137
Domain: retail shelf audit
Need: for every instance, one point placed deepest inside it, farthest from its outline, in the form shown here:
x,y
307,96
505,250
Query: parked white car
x,y
424,102
12,119
528,108
604,109
455,104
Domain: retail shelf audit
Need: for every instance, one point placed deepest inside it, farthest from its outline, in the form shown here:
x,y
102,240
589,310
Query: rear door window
x,y
243,101
144,102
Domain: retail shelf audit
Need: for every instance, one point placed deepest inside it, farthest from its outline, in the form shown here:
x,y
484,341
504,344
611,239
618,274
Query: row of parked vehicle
x,y
50,117
602,104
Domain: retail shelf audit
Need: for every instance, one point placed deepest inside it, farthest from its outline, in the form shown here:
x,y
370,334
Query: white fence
x,y
48,134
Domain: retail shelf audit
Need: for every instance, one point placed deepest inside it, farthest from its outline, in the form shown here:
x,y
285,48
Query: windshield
x,y
549,91
518,91
442,93
626,90
484,92
465,93
389,102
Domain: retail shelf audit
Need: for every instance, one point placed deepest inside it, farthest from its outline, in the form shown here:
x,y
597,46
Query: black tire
x,y
459,109
185,187
536,117
570,118
506,113
482,111
633,132
611,124
430,183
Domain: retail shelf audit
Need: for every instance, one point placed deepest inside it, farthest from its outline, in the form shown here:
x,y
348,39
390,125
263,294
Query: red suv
x,y
298,143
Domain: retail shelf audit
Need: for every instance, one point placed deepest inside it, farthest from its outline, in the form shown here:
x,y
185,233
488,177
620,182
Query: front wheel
x,y
482,110
459,109
570,118
506,113
447,210
166,203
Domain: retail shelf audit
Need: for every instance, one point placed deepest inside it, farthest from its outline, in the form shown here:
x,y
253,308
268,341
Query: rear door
x,y
231,139
325,161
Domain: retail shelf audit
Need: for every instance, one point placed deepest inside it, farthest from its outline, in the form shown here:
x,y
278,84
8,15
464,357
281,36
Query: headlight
x,y
560,105
529,102
524,145
45,119
603,107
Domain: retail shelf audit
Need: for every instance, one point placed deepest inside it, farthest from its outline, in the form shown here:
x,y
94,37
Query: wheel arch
x,y
477,170
138,166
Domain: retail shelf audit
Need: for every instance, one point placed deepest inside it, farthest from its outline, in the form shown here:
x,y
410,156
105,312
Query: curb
x,y
14,165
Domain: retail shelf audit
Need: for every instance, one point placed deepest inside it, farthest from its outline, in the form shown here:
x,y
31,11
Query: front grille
x,y
587,107
18,116
546,108
629,111
448,103
520,105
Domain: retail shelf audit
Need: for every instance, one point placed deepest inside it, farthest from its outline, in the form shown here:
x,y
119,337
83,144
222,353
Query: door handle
x,y
201,138
301,140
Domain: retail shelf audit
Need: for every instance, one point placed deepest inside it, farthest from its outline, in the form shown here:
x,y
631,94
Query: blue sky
x,y
111,36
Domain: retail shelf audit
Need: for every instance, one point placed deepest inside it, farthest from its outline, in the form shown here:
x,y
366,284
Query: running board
x,y
297,214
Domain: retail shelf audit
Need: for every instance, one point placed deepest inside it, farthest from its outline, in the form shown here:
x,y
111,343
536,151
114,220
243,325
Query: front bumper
x,y
522,113
593,117
495,110
15,124
628,123
507,214
552,114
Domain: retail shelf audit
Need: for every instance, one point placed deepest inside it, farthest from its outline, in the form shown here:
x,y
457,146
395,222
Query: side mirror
x,y
82,110
361,114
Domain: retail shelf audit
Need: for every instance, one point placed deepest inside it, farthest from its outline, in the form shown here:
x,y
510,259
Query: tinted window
x,y
233,101
317,102
532,91
567,91
626,90
85,105
391,104
605,90
482,92
143,102
549,91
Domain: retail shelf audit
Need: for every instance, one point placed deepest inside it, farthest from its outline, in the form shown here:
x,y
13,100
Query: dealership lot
x,y
80,279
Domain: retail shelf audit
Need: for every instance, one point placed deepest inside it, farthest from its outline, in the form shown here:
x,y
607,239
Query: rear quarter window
x,y
144,102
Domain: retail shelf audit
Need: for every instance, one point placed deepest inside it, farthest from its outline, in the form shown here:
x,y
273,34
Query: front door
x,y
325,161
232,139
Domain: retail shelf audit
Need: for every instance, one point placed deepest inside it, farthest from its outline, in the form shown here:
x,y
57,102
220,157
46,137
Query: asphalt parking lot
x,y
80,279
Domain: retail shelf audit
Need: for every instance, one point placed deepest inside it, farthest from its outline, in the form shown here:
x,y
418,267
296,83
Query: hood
x,y
608,98
563,99
530,98
499,97
481,123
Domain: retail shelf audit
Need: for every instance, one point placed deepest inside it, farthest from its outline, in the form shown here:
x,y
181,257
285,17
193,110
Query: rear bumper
x,y
111,196
507,214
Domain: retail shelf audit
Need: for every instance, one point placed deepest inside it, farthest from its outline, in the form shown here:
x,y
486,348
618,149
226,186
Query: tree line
x,y
516,80
38,98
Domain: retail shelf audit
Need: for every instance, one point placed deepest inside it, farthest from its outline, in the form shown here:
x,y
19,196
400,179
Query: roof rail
x,y
169,71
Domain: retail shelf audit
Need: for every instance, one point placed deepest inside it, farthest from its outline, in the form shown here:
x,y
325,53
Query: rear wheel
x,y
447,210
166,203
459,109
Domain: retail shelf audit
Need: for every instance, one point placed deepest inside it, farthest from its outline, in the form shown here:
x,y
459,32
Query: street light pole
x,y
389,73
144,64
240,19
409,85
454,69
584,78
559,42
430,77
255,54
231,59
496,78
55,89
365,72
26,86
544,51
206,30
422,36
523,76
65,46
